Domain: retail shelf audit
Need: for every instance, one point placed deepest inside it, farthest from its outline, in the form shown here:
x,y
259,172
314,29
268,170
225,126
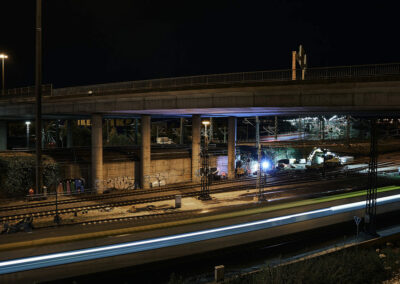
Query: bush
x,y
347,266
17,173
118,139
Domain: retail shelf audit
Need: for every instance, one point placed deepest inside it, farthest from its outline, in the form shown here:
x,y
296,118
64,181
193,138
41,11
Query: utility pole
x,y
372,191
211,130
156,133
108,130
348,130
299,128
276,127
38,93
181,131
259,182
57,217
225,132
136,130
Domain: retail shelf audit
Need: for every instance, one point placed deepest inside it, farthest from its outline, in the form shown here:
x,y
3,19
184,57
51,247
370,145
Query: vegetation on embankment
x,y
17,173
354,265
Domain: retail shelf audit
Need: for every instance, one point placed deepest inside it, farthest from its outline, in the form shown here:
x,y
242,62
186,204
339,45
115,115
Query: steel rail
x,y
61,211
291,179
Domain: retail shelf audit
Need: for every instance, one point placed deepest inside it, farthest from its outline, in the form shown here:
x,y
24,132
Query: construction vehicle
x,y
322,158
241,172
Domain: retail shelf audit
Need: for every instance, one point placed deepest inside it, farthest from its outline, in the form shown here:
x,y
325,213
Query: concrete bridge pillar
x,y
196,138
231,146
145,153
3,135
97,153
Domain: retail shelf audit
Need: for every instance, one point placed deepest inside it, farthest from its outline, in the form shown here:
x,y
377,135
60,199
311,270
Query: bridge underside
x,y
355,98
223,112
263,111
379,99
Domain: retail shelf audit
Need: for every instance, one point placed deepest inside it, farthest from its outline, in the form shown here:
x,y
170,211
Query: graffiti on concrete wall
x,y
121,183
156,180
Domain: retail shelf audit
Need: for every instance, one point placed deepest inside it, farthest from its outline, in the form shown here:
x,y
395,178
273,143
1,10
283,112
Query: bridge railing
x,y
192,81
29,91
343,72
324,73
312,74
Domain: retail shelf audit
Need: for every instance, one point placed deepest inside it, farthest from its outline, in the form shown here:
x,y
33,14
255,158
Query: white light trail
x,y
143,245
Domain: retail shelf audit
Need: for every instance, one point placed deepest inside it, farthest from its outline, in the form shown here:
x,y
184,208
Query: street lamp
x,y
205,177
205,123
28,123
2,57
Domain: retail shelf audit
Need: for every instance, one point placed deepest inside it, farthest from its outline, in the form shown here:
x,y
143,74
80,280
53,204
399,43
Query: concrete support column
x,y
3,135
196,138
231,146
145,153
69,134
97,153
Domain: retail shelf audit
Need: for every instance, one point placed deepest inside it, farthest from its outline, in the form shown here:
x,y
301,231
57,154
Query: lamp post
x,y
205,177
205,123
2,57
28,123
38,95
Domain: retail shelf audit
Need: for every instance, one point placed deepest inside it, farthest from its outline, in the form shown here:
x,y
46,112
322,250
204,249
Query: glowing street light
x,y
205,177
28,123
205,123
2,57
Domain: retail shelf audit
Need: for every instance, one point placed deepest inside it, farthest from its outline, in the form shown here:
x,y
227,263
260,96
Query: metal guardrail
x,y
312,74
29,91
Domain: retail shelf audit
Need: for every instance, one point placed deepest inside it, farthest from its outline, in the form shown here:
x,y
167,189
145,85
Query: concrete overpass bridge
x,y
362,90
355,89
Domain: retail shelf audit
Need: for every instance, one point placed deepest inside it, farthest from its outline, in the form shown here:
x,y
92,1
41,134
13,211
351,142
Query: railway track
x,y
118,195
164,215
127,194
89,198
73,210
168,215
251,184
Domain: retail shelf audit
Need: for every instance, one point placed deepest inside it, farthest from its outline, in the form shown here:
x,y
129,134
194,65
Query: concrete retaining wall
x,y
171,171
124,174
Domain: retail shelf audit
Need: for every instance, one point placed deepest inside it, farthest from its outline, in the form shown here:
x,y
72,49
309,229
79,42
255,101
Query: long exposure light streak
x,y
53,259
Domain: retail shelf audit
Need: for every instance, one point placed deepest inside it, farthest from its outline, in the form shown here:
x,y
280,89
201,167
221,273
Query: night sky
x,y
87,42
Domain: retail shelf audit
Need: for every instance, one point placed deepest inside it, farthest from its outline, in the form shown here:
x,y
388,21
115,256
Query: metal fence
x,y
29,91
312,74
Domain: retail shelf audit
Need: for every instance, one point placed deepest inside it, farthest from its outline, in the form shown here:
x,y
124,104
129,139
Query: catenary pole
x,y
38,94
